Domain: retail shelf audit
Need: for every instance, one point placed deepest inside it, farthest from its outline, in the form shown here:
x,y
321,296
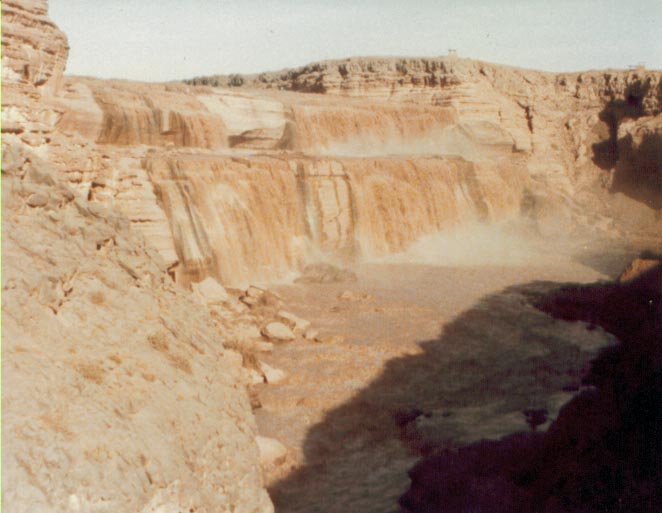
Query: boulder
x,y
271,374
293,321
278,331
272,452
255,292
253,377
210,291
38,200
311,334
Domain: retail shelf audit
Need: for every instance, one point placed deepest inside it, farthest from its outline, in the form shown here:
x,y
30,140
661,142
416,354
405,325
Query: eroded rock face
x,y
639,167
242,219
442,142
34,49
119,393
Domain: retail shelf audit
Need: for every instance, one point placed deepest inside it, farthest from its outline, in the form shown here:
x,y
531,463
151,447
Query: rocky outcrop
x,y
156,116
524,140
34,53
639,167
532,143
119,391
34,50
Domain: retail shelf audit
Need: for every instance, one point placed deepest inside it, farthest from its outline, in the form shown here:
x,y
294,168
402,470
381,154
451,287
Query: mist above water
x,y
476,244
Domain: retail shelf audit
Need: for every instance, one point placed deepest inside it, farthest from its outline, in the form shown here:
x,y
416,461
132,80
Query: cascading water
x,y
244,221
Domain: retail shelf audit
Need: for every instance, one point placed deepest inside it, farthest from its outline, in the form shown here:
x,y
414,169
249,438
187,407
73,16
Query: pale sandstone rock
x,y
69,273
37,200
296,323
272,452
34,49
637,267
272,375
311,334
149,368
253,377
210,291
255,292
278,331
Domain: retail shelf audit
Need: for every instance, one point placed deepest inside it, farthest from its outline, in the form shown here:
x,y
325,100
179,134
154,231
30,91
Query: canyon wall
x,y
250,183
34,50
118,391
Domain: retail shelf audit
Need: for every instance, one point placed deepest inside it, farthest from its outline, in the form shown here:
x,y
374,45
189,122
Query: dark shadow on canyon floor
x,y
604,451
488,366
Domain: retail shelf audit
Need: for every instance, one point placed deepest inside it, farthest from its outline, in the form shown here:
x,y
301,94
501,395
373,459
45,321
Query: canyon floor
x,y
417,356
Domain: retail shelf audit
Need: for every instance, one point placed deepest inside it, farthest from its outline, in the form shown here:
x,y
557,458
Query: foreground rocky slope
x,y
118,392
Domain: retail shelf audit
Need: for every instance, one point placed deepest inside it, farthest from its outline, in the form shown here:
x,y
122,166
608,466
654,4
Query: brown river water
x,y
463,344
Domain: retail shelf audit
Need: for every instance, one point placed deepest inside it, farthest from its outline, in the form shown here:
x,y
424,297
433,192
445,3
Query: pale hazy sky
x,y
158,40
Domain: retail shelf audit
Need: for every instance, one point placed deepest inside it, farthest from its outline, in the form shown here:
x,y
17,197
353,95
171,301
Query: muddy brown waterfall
x,y
278,292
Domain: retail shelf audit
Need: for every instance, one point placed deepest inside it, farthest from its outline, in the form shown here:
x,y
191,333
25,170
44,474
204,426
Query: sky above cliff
x,y
158,40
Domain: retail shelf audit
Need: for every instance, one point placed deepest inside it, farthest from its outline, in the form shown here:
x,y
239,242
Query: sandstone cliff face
x,y
34,53
156,117
536,144
34,49
119,393
639,166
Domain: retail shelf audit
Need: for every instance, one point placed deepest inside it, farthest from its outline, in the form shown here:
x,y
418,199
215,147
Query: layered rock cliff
x,y
541,146
34,50
119,393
